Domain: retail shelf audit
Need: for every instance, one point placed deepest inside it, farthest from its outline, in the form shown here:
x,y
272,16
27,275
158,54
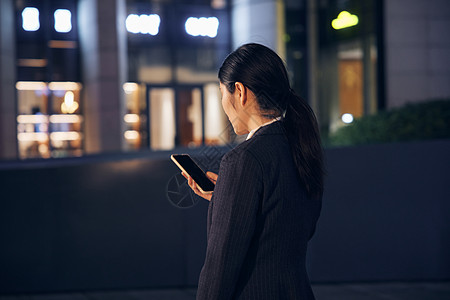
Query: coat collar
x,y
272,128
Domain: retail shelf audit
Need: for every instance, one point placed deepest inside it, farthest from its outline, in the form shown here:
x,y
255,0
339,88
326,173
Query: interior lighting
x,y
132,23
32,62
344,20
32,136
34,119
43,149
30,19
63,20
65,136
63,44
69,106
202,26
218,4
131,134
31,86
347,118
65,119
130,87
145,24
64,86
131,118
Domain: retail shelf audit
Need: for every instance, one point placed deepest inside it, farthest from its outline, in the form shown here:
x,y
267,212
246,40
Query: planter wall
x,y
107,223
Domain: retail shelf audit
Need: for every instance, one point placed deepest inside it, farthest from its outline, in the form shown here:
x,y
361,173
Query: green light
x,y
344,20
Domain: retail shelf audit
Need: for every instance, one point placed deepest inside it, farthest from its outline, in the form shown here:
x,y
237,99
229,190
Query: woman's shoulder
x,y
243,151
265,143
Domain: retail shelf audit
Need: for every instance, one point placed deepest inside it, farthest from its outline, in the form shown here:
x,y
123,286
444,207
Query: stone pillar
x,y
8,125
259,21
103,49
312,55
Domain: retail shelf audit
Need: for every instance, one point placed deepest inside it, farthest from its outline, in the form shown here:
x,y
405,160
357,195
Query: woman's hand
x,y
212,176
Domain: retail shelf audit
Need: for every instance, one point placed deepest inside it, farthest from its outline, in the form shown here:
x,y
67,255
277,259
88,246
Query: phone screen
x,y
185,162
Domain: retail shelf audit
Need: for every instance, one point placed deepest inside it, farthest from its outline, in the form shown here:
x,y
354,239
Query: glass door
x,y
189,116
186,116
162,118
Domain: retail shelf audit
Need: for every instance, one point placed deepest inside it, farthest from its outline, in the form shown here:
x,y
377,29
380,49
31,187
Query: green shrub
x,y
419,121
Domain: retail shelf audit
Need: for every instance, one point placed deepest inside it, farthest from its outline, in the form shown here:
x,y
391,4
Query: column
x,y
312,55
103,49
8,125
260,22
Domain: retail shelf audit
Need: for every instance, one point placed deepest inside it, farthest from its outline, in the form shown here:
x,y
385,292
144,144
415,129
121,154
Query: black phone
x,y
188,166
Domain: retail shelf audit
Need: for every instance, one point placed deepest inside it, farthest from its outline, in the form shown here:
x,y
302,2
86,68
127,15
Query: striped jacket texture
x,y
259,223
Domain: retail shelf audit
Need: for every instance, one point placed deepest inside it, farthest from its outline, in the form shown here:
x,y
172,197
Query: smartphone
x,y
188,166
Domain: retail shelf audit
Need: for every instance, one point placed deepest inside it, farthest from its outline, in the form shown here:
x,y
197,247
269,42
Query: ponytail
x,y
263,72
303,135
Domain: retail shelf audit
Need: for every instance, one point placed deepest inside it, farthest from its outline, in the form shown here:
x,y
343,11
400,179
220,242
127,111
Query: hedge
x,y
419,121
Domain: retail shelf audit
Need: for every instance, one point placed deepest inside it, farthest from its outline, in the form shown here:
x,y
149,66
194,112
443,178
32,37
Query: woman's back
x,y
260,219
268,192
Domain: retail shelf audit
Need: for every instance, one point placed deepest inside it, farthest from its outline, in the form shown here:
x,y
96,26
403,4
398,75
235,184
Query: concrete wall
x,y
417,50
385,215
106,223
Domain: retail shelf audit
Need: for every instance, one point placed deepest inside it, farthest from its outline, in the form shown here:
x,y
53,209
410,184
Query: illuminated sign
x,y
202,26
30,19
145,24
344,20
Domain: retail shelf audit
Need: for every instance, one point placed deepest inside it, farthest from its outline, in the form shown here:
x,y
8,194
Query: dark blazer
x,y
259,223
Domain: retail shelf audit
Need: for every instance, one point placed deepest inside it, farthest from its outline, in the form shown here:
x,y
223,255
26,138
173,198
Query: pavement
x,y
345,291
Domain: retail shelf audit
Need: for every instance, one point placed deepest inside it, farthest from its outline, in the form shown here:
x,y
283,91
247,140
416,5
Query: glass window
x,y
179,73
348,62
32,120
49,121
136,136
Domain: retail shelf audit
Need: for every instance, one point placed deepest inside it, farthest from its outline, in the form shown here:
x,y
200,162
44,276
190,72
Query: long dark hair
x,y
263,72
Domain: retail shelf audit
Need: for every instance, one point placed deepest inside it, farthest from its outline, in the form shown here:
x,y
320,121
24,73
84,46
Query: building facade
x,y
100,76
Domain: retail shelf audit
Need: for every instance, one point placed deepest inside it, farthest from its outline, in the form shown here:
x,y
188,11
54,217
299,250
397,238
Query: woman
x,y
268,192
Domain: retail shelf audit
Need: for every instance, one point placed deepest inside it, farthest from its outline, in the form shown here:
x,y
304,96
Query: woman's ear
x,y
241,93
